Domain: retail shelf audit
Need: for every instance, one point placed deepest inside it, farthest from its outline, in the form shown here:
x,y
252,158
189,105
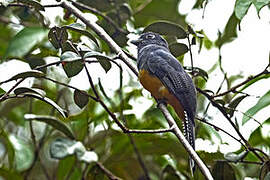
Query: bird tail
x,y
189,132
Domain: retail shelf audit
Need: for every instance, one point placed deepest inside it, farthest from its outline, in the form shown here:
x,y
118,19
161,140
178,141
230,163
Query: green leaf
x,y
33,73
22,90
54,122
234,104
2,91
178,49
169,173
259,4
9,174
167,28
9,149
80,98
24,41
68,46
230,32
265,169
241,8
48,101
24,154
64,167
72,63
263,102
103,59
223,170
80,28
57,36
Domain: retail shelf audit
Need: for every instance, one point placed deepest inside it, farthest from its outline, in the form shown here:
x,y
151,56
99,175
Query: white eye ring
x,y
150,36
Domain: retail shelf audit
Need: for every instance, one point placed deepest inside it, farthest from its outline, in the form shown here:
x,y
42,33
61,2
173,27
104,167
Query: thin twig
x,y
191,57
95,11
205,171
108,173
221,109
101,33
220,129
233,89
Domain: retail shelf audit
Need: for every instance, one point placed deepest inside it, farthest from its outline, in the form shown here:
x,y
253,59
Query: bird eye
x,y
150,36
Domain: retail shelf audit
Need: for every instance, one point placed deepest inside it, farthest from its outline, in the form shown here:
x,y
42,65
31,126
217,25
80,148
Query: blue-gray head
x,y
150,38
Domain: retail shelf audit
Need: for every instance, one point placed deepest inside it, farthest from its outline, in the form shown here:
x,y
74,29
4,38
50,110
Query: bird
x,y
165,78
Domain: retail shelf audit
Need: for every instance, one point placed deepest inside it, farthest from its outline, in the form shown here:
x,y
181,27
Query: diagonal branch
x,y
102,34
233,89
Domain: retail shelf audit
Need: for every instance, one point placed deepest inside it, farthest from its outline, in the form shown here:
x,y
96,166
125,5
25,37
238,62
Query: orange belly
x,y
160,92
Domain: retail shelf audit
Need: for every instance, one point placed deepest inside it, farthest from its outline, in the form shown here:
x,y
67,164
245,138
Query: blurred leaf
x,y
178,49
5,36
256,138
34,4
64,167
169,173
103,59
267,177
124,13
24,154
62,147
22,90
232,106
147,12
80,28
9,149
230,32
2,91
72,63
235,157
167,28
223,170
265,169
68,46
263,102
48,101
102,5
259,4
80,98
54,122
32,73
35,61
57,36
10,174
24,41
241,8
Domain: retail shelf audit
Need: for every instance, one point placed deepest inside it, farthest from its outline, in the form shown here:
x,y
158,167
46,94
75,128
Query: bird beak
x,y
136,42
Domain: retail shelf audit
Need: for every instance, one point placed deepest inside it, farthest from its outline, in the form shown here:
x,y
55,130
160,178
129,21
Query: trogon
x,y
164,77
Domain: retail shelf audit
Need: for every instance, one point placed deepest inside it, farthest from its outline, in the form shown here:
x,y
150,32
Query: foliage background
x,y
37,146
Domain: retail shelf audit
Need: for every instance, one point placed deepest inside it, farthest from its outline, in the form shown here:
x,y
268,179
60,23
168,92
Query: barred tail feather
x,y
189,132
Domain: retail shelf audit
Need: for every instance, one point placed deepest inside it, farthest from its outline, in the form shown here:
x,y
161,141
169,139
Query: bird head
x,y
150,38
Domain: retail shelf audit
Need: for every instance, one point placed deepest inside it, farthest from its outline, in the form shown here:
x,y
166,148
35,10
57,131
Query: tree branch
x,y
233,89
108,173
221,109
205,171
101,33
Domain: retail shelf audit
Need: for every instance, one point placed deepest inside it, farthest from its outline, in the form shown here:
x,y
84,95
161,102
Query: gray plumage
x,y
155,57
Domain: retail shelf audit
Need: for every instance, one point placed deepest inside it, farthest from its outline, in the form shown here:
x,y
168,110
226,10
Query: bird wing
x,y
167,68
